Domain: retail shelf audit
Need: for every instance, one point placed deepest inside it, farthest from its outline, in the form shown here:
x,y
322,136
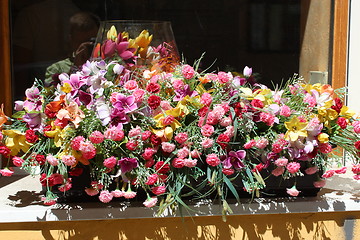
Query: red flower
x,y
223,140
357,145
155,140
5,151
257,103
202,111
30,136
342,122
228,171
131,145
152,179
337,105
259,167
328,174
161,167
178,163
40,159
76,172
154,101
153,88
158,190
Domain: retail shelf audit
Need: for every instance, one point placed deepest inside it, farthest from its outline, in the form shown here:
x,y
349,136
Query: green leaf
x,y
231,187
18,114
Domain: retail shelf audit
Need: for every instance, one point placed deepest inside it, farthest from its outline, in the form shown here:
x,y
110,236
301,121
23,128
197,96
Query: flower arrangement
x,y
140,120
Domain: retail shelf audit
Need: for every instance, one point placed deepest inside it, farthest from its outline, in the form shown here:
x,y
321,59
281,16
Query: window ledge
x,y
341,193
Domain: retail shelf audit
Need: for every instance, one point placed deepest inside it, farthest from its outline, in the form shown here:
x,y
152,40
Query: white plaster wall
x,y
353,80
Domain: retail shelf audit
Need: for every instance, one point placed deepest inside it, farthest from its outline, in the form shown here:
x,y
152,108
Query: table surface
x,y
20,202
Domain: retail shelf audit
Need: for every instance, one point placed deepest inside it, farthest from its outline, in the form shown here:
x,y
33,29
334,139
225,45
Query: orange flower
x,y
3,117
55,106
327,88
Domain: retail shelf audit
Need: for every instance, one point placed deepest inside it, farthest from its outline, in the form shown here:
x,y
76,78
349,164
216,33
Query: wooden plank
x,y
5,60
340,43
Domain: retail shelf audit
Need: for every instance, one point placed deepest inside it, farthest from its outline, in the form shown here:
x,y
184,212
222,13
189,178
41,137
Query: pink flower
x,y
118,193
168,120
257,103
68,160
165,105
148,153
47,201
356,169
187,71
91,191
292,191
75,143
261,143
228,171
293,167
212,159
267,118
17,161
178,84
178,163
356,177
190,162
135,132
183,152
320,183
105,196
6,172
218,112
281,162
211,118
207,143
145,135
224,77
150,202
206,99
158,190
225,122
114,133
195,154
168,147
65,187
96,137
138,94
129,194
341,170
356,125
328,173
250,144
131,85
207,130
278,171
110,162
285,111
87,149
181,137
310,100
152,179
311,170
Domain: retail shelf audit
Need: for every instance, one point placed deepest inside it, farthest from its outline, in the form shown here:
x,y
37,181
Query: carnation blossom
x,y
150,202
292,191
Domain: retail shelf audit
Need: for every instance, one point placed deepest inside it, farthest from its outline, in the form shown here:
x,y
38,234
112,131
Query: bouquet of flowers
x,y
140,120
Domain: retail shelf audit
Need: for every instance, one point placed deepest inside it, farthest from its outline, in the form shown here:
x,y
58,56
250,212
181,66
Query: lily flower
x,y
16,141
3,117
295,129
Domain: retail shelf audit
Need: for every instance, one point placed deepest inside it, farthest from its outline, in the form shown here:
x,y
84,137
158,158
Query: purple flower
x,y
127,164
180,94
33,120
118,117
234,159
125,103
32,93
102,111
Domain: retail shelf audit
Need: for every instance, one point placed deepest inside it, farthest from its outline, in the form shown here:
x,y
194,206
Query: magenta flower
x,y
127,164
33,120
234,159
124,103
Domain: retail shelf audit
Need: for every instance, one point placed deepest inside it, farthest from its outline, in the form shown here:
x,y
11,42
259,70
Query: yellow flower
x,y
295,129
66,88
144,39
328,113
175,112
166,133
346,112
16,141
58,134
112,33
323,138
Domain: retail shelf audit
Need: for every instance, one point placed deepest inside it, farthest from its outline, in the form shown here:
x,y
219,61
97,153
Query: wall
x,y
282,226
314,49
